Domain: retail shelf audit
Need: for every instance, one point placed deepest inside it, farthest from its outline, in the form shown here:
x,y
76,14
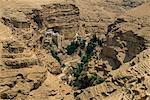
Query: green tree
x,y
55,54
72,48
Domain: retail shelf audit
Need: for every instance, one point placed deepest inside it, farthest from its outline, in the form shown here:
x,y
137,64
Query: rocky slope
x,y
130,80
74,49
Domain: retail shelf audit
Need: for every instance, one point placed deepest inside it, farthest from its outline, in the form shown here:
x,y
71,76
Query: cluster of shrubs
x,y
51,49
82,79
73,47
55,54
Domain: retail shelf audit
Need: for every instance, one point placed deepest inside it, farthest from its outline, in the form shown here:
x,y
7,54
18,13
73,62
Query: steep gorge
x,y
36,53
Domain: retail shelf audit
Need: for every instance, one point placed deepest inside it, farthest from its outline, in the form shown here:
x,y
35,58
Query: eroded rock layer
x,y
77,50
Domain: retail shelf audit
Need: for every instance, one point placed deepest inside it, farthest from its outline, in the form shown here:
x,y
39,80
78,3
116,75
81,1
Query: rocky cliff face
x,y
76,50
129,81
19,73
